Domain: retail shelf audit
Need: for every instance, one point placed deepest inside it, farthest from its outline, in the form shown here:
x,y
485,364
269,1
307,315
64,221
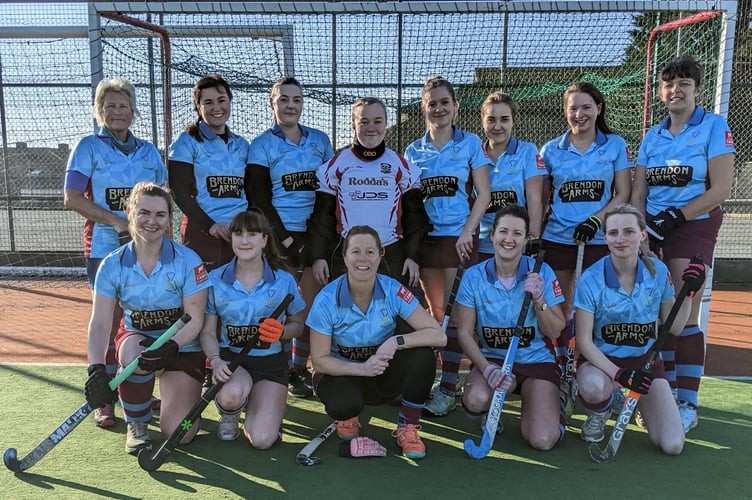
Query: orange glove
x,y
270,330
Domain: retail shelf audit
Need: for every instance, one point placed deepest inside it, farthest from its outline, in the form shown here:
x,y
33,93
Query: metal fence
x,y
51,56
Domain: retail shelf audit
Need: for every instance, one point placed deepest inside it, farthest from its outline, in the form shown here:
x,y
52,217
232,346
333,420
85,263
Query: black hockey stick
x,y
10,457
452,296
304,456
497,401
630,403
149,463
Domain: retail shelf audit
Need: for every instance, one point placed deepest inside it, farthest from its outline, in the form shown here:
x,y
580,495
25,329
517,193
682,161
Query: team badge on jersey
x,y
199,272
539,163
386,168
557,288
729,139
405,294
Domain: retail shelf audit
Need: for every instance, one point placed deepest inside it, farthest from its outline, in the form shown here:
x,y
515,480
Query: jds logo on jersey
x,y
200,273
557,288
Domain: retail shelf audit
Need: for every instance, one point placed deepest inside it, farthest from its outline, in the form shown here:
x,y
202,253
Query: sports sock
x,y
287,349
301,349
451,357
690,359
135,396
598,407
110,360
409,413
668,356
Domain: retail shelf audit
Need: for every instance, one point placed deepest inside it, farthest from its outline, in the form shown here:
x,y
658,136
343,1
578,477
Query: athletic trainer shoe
x,y
594,428
297,386
104,417
499,428
348,429
688,413
617,403
228,429
409,441
441,404
137,437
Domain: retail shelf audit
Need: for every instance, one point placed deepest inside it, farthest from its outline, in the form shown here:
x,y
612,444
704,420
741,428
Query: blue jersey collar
x,y
490,268
457,136
228,274
210,135
168,253
511,146
697,116
277,130
600,139
344,299
105,137
612,280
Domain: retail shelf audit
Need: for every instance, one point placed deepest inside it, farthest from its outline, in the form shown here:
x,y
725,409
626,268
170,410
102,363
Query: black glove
x,y
636,380
158,358
694,275
123,237
533,246
664,222
97,389
587,229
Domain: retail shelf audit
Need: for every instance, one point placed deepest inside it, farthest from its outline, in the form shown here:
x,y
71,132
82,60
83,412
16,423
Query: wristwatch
x,y
400,342
544,306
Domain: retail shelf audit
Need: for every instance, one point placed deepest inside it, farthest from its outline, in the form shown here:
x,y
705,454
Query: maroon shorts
x,y
564,257
191,363
214,252
541,371
635,363
693,237
439,252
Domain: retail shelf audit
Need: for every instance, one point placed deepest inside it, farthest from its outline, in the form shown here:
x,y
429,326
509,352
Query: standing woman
x,y
155,281
207,165
685,170
452,166
369,184
244,293
356,355
516,172
101,170
282,165
621,300
590,171
489,301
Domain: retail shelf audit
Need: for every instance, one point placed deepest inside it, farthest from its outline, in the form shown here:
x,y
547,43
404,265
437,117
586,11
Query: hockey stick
x,y
304,456
497,401
10,457
149,463
630,403
452,296
568,375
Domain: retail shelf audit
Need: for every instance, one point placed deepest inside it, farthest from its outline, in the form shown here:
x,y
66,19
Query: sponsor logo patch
x,y
200,273
729,139
405,294
557,288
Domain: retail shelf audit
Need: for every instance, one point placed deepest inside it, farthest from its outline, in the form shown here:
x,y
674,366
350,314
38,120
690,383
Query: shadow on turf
x,y
50,483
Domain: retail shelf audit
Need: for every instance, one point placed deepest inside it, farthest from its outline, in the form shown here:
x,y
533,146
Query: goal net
x,y
339,51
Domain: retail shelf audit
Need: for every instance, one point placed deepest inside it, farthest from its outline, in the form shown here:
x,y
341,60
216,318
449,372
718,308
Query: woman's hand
x,y
464,245
534,286
376,364
411,268
220,230
321,271
220,370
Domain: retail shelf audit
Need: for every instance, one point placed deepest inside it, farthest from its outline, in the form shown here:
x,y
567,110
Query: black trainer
x,y
299,384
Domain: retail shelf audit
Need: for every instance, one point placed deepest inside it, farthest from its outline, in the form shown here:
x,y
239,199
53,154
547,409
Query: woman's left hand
x,y
534,285
220,230
464,245
411,268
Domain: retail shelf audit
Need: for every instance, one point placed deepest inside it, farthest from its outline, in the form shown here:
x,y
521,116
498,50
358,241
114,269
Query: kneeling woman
x,y
489,301
356,357
155,281
245,292
616,296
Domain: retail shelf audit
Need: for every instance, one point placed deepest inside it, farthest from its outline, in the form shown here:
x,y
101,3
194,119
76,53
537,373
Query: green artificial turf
x,y
91,462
